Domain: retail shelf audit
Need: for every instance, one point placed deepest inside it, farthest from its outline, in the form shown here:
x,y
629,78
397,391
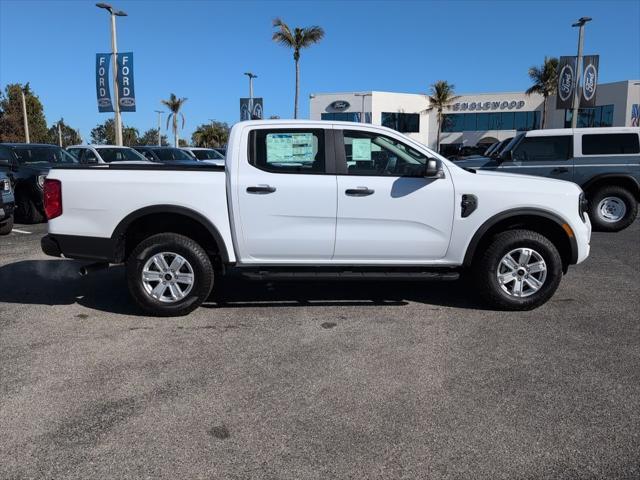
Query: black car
x,y
26,165
168,155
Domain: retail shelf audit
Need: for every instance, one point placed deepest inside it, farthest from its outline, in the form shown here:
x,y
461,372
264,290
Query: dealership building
x,y
480,118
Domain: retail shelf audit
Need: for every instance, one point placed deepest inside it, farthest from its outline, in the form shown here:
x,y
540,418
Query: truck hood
x,y
476,162
493,173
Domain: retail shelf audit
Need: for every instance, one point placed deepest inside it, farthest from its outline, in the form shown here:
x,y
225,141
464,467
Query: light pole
x,y
251,77
114,51
576,93
362,118
59,135
159,112
24,117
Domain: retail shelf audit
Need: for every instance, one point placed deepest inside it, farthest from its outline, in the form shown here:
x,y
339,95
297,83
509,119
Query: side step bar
x,y
359,275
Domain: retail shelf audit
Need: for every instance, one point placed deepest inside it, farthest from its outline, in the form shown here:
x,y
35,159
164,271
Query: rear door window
x,y
288,151
543,149
610,144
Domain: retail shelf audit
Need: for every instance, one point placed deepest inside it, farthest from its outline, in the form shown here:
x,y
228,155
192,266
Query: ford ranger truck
x,y
320,200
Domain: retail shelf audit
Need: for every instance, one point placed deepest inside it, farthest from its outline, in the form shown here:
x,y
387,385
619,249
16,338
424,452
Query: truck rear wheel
x,y
519,270
612,209
169,275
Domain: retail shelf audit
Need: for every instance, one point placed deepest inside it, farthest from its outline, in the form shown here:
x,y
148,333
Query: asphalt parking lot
x,y
318,381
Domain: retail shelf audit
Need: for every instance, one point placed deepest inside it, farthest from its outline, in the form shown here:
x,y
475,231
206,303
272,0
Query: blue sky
x,y
199,49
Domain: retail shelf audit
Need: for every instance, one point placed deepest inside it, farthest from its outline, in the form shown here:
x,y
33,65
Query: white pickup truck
x,y
320,200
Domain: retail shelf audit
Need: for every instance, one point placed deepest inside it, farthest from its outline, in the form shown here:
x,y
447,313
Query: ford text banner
x,y
102,82
126,91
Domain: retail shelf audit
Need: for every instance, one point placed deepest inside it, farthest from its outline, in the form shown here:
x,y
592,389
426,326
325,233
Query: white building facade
x,y
473,119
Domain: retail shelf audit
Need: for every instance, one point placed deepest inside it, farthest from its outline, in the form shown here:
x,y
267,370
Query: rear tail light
x,y
52,198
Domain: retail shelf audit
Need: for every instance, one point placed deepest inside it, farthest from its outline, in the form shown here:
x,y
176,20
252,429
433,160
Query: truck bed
x,y
96,199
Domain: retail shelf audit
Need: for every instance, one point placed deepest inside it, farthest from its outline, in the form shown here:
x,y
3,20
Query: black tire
x,y
26,210
599,221
485,270
178,244
6,226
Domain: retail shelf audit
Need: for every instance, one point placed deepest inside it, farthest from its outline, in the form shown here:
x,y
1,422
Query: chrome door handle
x,y
359,192
261,189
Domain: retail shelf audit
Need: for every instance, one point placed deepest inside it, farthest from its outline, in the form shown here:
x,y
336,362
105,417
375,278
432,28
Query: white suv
x,y
105,154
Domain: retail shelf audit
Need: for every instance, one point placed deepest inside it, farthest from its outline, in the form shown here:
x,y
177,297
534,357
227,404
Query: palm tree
x,y
174,104
297,39
545,82
441,94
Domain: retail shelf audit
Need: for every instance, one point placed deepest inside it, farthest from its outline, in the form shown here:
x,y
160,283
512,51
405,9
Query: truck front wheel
x,y
169,275
519,270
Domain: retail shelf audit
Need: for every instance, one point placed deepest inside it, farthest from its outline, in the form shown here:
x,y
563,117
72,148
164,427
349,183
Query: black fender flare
x,y
514,213
121,228
611,176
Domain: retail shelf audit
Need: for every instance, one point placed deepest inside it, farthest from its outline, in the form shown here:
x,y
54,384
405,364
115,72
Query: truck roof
x,y
570,131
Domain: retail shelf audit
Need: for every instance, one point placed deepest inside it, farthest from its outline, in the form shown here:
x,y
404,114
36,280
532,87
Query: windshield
x,y
207,155
165,154
490,150
501,153
501,145
119,154
45,154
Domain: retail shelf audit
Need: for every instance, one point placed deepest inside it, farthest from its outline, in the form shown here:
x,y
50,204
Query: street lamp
x,y
251,77
114,50
576,93
362,119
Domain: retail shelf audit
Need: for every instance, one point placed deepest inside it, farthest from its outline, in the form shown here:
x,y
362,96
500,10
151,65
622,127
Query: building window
x,y
346,116
601,116
402,122
480,122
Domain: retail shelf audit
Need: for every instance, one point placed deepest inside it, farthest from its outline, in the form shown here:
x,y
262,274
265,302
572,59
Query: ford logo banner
x,y
340,105
566,82
589,81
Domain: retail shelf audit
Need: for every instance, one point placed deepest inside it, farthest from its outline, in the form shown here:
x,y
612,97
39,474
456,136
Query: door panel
x,y
387,210
545,156
287,215
404,219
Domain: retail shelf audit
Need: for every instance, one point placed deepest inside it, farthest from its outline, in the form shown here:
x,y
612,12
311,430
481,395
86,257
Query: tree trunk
x,y
439,128
544,112
175,131
295,103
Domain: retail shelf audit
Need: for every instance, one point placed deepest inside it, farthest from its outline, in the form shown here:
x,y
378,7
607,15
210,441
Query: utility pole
x,y
114,50
24,117
59,135
576,93
362,118
159,112
251,77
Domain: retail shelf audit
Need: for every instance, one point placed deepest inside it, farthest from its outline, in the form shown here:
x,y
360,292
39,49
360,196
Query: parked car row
x,y
26,165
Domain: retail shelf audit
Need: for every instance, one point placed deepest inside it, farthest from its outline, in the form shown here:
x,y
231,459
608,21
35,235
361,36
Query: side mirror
x,y
431,169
